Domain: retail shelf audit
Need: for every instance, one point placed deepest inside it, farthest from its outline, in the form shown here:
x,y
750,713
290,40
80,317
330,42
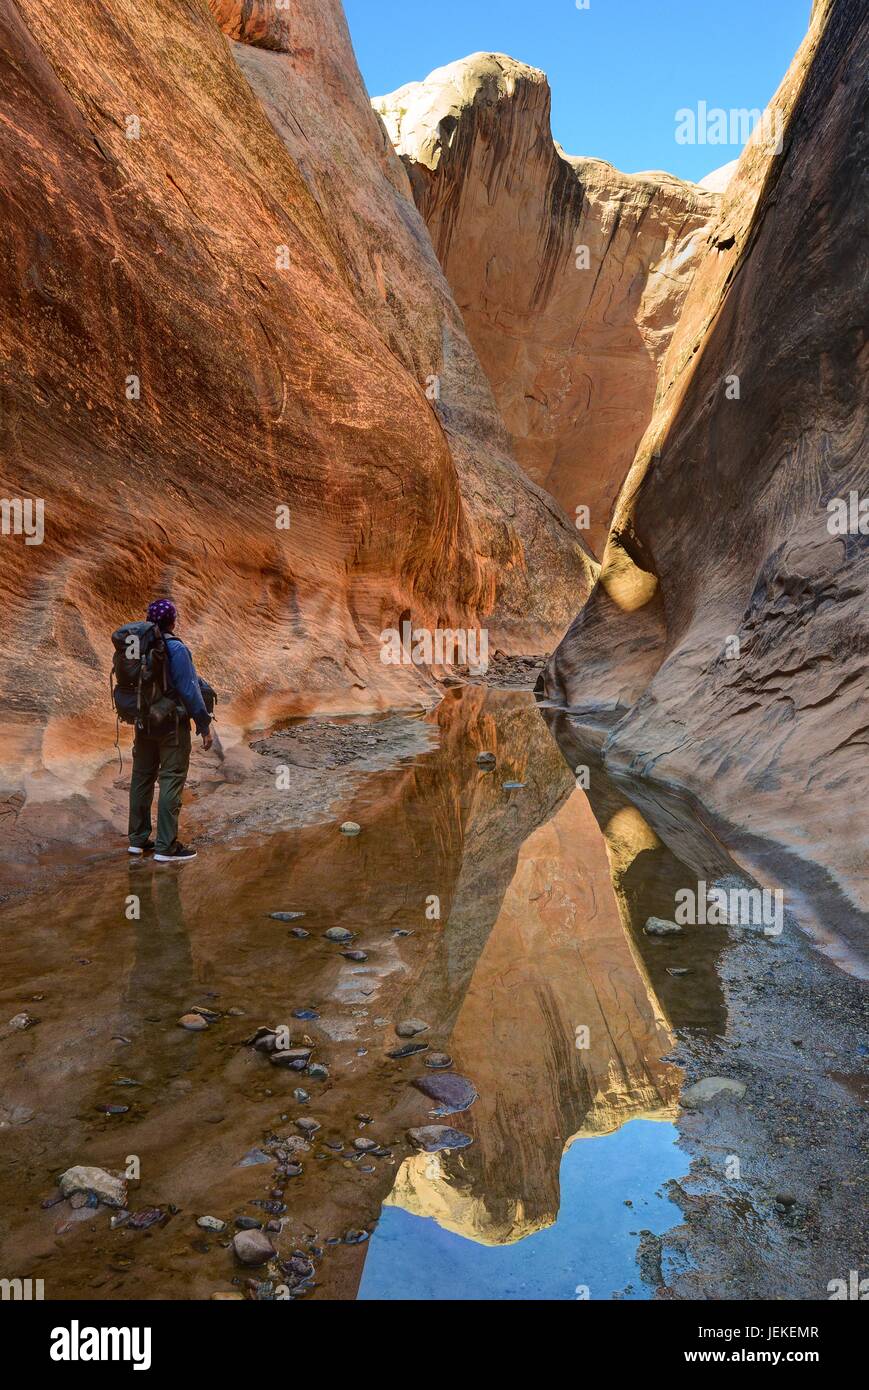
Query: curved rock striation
x,y
532,561
198,390
570,275
724,647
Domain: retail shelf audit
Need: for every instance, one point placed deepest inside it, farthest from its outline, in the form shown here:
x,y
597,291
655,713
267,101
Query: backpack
x,y
140,679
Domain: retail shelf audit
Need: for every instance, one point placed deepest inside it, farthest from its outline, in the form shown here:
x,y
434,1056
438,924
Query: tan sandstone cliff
x,y
570,275
726,641
200,326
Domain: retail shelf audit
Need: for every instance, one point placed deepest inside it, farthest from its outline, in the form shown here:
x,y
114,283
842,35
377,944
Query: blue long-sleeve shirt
x,y
185,682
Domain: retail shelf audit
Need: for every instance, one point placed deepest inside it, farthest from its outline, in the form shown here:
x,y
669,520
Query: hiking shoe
x,y
177,855
141,849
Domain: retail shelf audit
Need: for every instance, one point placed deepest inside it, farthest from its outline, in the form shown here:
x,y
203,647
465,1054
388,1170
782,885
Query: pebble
x,y
248,1223
286,916
408,1050
435,1138
252,1157
149,1216
660,926
338,934
356,1237
677,971
299,933
211,1223
355,955
301,1096
318,1071
252,1247
438,1061
409,1027
194,1023
365,1146
486,759
308,1126
296,1058
513,786
350,828
22,1021
305,1013
454,1093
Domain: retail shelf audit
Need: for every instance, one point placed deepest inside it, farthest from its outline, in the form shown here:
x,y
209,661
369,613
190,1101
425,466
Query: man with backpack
x,y
159,692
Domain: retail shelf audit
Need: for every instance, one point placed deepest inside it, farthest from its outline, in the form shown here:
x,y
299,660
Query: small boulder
x,y
409,1027
112,1191
433,1139
438,1061
22,1022
194,1023
296,1058
452,1092
252,1247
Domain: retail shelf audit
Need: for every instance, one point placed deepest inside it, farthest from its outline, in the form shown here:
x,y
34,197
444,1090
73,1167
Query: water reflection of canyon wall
x,y
530,945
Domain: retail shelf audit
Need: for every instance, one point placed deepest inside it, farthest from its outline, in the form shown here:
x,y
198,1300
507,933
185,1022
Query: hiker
x,y
162,746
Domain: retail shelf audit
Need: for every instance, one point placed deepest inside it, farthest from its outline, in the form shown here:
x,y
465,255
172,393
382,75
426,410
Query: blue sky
x,y
619,70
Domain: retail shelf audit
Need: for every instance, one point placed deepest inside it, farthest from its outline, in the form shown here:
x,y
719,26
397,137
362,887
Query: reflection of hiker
x,y
159,692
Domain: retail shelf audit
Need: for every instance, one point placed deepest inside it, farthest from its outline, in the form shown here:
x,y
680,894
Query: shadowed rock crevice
x,y
729,616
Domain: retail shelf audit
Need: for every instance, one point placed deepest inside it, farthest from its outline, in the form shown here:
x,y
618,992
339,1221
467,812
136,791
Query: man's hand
x,y
207,741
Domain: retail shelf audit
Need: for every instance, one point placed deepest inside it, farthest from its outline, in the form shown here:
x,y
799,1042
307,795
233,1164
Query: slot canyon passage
x,y
533,967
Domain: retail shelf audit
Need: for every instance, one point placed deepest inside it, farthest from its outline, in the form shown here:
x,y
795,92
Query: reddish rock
x,y
570,274
722,644
193,346
532,559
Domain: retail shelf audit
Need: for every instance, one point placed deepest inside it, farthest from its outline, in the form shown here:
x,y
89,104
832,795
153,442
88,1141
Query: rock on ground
x,y
109,1189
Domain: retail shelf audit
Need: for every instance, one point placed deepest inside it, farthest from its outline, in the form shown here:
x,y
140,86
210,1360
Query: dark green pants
x,y
167,759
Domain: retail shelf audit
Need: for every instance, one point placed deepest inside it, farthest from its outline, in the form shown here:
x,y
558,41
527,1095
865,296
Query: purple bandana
x,y
162,612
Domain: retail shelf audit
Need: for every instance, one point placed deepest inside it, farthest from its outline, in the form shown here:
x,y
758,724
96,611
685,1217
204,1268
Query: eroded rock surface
x,y
724,648
187,347
531,559
570,275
